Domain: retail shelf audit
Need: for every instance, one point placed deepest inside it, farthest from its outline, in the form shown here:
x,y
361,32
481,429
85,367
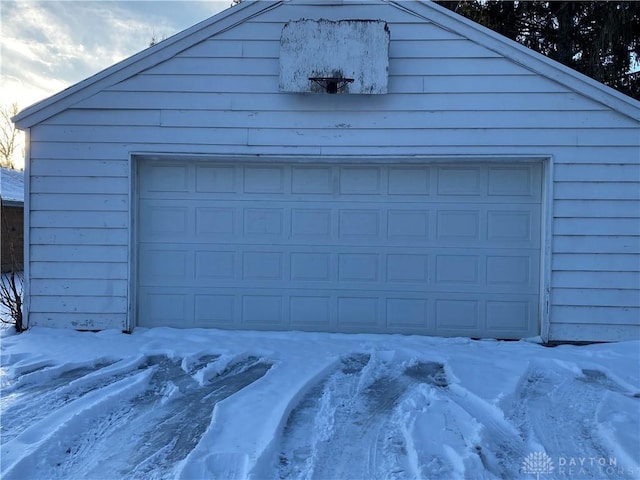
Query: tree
x,y
598,39
8,135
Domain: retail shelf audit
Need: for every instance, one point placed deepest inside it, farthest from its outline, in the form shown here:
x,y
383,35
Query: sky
x,y
46,46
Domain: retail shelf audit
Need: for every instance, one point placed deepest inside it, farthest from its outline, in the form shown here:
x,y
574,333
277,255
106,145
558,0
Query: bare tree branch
x,y
8,135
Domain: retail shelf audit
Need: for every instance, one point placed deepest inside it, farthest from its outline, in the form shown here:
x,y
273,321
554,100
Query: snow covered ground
x,y
166,403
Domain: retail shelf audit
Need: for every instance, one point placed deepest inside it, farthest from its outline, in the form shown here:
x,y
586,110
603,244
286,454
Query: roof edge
x,y
142,60
545,66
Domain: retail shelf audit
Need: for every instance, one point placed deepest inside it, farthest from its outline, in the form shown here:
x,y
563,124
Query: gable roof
x,y
246,10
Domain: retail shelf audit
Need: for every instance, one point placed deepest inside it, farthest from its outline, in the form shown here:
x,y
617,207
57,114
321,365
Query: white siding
x,y
447,97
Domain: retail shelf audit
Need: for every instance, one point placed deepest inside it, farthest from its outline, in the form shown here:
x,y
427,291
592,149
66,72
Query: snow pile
x,y
166,403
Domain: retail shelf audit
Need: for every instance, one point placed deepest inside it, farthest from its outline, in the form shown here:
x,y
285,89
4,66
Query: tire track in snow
x,y
452,433
158,428
344,427
142,434
60,386
409,422
558,408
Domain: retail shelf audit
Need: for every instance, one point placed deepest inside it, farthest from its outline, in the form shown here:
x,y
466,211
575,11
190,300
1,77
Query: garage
x,y
422,248
360,167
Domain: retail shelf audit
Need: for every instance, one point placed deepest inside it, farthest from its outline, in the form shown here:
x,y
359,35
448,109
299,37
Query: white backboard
x,y
354,50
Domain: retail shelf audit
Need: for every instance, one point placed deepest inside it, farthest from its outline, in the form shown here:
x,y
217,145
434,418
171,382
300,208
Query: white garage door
x,y
427,249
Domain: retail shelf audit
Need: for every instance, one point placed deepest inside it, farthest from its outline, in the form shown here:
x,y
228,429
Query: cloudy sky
x,y
47,46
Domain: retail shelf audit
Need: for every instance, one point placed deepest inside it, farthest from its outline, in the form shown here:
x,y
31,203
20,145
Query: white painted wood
x,y
456,91
622,280
601,297
78,236
605,331
580,262
95,203
78,321
59,304
174,99
598,226
448,249
26,280
79,287
627,316
355,136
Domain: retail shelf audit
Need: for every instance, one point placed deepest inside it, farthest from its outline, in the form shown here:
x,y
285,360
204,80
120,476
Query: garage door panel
x,y
407,312
307,181
430,249
263,311
466,181
360,180
263,223
214,311
259,179
521,181
216,221
216,179
409,181
215,264
311,311
458,314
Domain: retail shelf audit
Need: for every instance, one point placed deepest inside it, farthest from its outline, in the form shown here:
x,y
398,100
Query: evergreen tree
x,y
599,39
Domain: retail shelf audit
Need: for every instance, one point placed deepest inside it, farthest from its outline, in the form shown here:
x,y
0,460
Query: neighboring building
x,y
12,219
456,183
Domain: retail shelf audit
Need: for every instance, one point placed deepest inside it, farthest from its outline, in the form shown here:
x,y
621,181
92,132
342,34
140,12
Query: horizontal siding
x,y
579,172
447,97
604,332
79,320
600,297
80,219
597,226
79,287
398,102
120,152
599,262
86,253
78,270
577,243
415,48
597,190
397,66
265,31
596,208
95,203
355,137
46,167
432,120
601,315
78,236
93,304
90,185
435,82
621,280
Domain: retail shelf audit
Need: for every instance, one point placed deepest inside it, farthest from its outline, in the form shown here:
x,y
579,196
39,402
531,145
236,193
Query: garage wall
x,y
447,97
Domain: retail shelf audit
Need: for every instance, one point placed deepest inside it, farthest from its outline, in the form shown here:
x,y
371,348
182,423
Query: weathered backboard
x,y
356,51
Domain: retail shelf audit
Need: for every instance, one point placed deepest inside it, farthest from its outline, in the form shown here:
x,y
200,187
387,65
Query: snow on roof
x,y
12,186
